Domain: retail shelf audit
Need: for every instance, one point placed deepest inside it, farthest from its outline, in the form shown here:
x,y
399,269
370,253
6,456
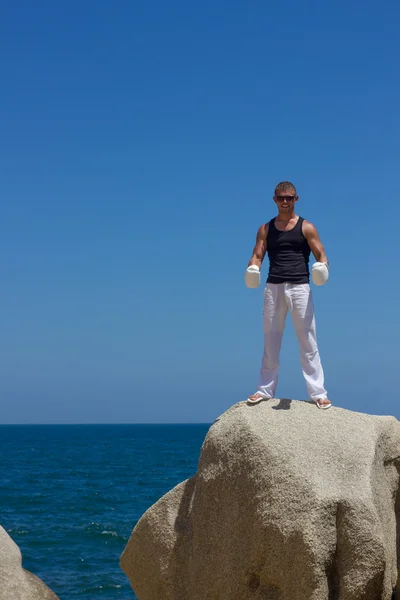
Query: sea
x,y
70,496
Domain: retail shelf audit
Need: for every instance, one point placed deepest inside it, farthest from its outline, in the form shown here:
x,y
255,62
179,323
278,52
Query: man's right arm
x,y
260,248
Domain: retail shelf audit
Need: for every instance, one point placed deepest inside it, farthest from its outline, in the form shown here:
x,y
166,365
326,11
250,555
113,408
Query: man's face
x,y
285,200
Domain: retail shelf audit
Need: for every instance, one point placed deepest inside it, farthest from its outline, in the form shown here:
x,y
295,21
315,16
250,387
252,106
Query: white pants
x,y
297,298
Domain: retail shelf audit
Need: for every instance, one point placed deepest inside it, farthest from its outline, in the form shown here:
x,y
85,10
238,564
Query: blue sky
x,y
140,146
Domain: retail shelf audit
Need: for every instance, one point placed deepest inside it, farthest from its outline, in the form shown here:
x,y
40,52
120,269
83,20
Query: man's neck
x,y
286,216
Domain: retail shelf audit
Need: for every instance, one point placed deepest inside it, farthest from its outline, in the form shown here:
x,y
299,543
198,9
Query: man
x,y
289,239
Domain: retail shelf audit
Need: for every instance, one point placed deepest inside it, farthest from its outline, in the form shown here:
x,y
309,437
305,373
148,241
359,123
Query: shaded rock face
x,y
289,503
15,582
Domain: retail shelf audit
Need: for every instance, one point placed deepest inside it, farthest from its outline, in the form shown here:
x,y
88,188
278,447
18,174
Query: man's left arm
x,y
311,234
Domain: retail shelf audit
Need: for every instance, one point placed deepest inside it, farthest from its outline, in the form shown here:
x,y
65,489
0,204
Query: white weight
x,y
320,273
252,276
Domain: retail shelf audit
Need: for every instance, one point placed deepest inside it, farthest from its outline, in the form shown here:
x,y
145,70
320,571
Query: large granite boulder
x,y
289,503
15,582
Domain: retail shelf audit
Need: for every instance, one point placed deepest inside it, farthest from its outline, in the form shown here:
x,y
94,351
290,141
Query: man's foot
x,y
256,398
323,403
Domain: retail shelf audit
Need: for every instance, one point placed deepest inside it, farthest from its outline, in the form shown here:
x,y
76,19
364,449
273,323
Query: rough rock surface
x,y
289,503
15,582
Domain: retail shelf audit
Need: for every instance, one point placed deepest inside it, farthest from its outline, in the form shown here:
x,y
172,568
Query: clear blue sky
x,y
140,146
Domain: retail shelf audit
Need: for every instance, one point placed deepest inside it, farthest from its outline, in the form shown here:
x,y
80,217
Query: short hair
x,y
285,186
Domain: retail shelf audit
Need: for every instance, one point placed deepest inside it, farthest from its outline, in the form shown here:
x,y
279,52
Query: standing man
x,y
289,239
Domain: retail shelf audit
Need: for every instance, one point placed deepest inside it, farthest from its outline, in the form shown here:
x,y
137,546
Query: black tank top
x,y
288,253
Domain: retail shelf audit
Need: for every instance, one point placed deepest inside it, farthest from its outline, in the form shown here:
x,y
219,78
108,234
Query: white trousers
x,y
297,298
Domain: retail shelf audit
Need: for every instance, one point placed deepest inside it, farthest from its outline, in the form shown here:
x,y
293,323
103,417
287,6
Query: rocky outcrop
x,y
289,503
15,582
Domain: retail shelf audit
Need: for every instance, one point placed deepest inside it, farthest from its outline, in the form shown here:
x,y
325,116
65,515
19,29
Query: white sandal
x,y
322,406
257,400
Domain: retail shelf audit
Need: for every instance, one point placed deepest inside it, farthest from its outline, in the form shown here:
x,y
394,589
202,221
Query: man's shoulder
x,y
307,225
268,223
309,230
264,228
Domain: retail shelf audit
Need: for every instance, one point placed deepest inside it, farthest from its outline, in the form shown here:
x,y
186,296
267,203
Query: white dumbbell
x,y
252,276
320,273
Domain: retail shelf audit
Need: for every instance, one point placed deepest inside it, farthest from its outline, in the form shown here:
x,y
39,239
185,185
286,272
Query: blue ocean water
x,y
71,495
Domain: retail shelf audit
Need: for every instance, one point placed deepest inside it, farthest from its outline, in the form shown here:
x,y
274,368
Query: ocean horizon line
x,y
102,424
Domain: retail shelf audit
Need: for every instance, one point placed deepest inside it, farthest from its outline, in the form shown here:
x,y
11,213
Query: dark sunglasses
x,y
287,198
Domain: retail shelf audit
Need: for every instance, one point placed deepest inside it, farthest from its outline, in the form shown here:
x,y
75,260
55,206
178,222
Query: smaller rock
x,y
15,582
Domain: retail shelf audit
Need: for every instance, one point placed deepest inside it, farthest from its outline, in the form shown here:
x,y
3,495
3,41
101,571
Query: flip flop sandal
x,y
257,400
322,406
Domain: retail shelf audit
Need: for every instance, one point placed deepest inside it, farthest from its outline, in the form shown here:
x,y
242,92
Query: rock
x,y
289,503
15,582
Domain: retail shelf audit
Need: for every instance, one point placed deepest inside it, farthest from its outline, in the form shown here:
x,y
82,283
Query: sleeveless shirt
x,y
288,253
